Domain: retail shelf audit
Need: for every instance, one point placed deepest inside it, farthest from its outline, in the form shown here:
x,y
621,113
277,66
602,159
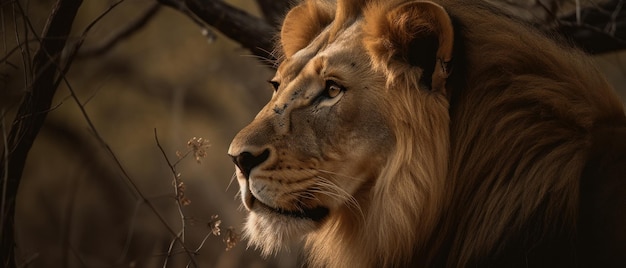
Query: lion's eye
x,y
332,89
275,84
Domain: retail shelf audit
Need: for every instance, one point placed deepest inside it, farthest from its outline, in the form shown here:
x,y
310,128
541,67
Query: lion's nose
x,y
246,161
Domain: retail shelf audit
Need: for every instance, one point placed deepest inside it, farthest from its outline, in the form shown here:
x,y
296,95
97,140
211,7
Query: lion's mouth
x,y
316,214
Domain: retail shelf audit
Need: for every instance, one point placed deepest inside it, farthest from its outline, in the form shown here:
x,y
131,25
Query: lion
x,y
433,134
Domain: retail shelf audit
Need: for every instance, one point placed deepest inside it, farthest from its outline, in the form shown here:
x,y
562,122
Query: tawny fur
x,y
500,148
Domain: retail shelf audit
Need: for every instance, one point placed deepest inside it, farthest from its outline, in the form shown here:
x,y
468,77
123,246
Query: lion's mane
x,y
488,172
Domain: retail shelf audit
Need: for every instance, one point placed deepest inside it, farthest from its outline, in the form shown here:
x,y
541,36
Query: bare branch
x,y
251,32
180,236
49,73
589,27
273,10
122,34
32,113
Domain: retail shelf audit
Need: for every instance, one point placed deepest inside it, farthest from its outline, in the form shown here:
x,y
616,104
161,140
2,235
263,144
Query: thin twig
x,y
38,98
127,177
108,149
177,192
25,60
180,158
203,241
169,250
18,47
124,33
28,28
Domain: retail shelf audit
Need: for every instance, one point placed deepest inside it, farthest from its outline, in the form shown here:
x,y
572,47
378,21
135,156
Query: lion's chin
x,y
271,230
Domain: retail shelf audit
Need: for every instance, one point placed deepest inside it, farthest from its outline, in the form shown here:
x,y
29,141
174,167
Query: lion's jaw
x,y
286,206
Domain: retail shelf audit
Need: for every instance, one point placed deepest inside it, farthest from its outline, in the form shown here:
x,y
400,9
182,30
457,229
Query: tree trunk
x,y
31,116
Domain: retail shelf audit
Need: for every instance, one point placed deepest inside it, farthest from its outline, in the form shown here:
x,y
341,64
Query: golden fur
x,y
425,133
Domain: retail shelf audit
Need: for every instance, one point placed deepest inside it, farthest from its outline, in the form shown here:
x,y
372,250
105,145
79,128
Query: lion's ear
x,y
418,33
303,23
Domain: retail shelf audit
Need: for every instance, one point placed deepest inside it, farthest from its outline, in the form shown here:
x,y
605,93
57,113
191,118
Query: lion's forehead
x,y
327,48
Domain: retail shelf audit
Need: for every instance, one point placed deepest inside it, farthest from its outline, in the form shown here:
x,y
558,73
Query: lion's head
x,y
360,153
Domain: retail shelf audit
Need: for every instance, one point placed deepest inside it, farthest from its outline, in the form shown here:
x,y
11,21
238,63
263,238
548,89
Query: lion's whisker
x,y
349,199
330,183
232,178
343,195
299,196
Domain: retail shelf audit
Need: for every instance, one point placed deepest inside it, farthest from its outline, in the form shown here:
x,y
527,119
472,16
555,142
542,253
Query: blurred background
x,y
77,205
